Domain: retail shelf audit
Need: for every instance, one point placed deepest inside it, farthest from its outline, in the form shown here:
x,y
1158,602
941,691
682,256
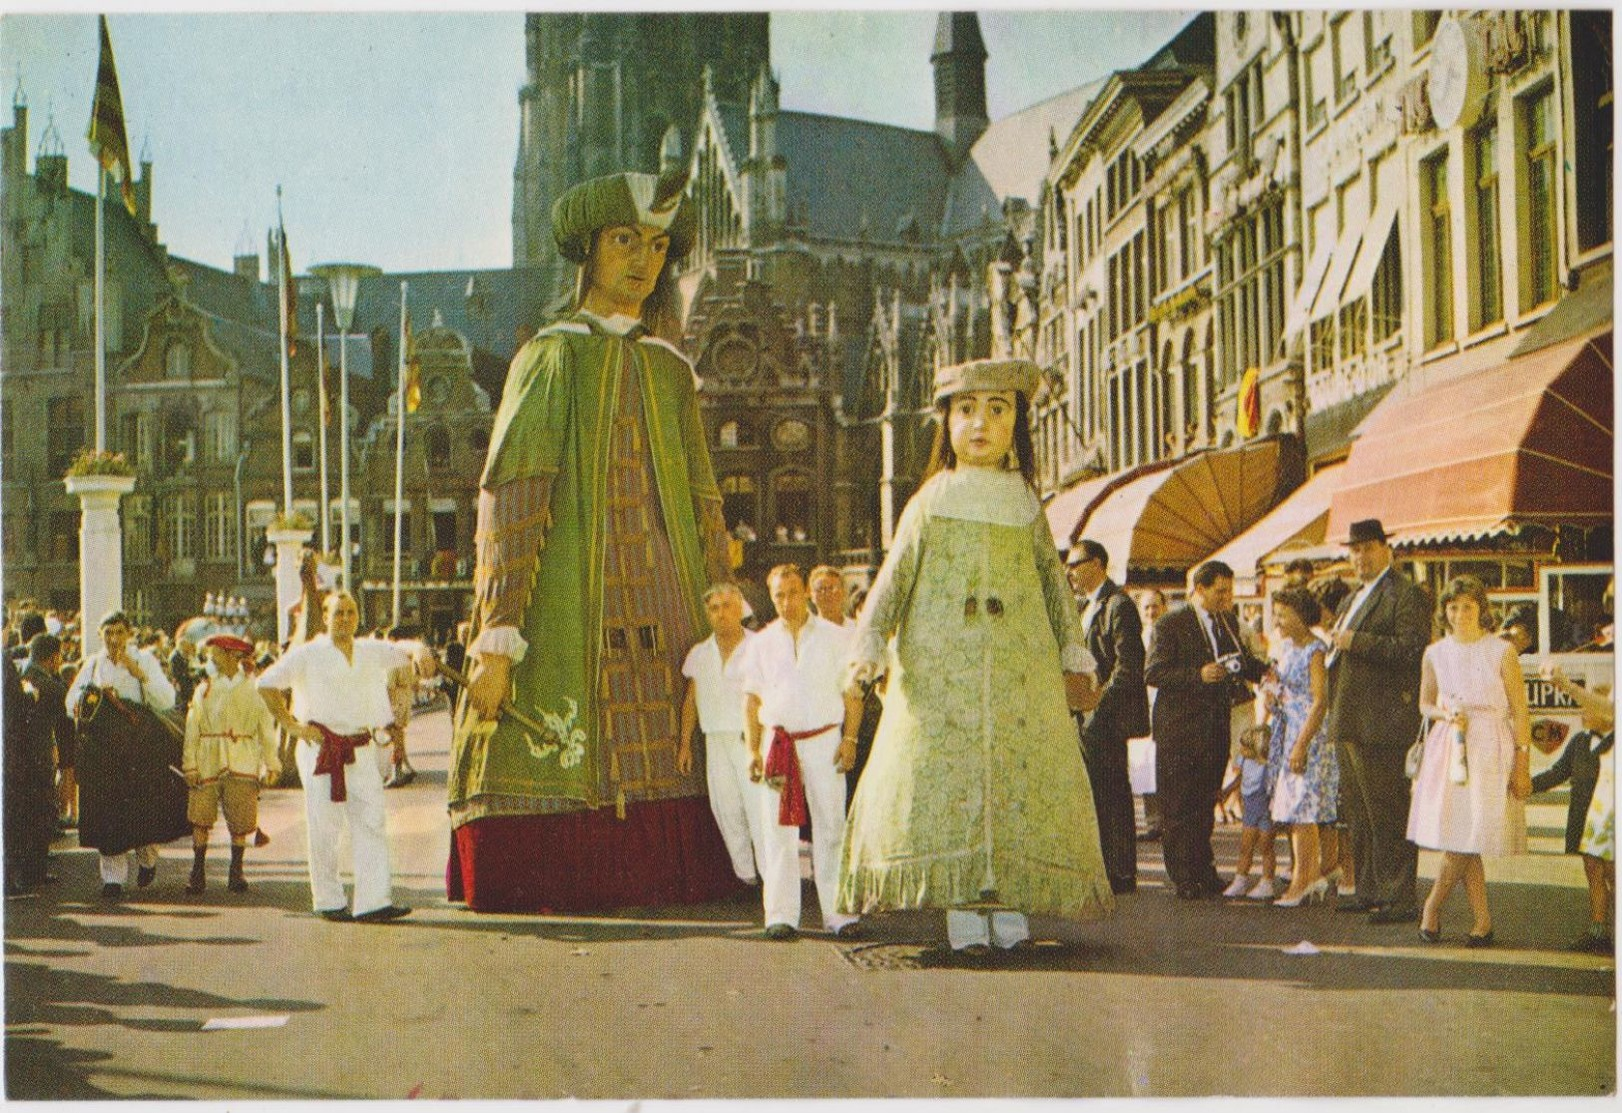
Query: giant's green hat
x,y
628,198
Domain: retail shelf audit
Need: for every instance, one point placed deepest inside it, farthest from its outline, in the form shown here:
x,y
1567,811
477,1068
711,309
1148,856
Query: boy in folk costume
x,y
230,744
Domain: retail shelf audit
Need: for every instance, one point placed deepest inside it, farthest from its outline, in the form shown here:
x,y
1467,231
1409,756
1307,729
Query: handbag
x,y
1416,753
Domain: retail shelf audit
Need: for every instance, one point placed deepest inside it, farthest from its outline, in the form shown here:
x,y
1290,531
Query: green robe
x,y
975,789
564,415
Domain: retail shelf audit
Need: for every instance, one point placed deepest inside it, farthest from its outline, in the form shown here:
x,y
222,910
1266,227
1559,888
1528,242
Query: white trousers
x,y
965,927
735,800
367,837
115,868
780,864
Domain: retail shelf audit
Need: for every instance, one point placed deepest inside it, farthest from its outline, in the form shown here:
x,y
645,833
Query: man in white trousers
x,y
793,679
340,688
714,703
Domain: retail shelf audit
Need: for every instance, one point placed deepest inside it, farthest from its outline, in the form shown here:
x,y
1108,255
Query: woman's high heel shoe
x,y
1311,894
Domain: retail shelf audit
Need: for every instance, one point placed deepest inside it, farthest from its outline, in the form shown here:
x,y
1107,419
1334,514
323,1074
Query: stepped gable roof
x,y
1011,159
842,172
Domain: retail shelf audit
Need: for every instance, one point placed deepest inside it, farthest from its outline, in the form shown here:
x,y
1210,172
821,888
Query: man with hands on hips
x,y
340,687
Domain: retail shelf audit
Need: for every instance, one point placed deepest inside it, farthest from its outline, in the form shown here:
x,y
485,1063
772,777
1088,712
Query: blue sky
x,y
393,134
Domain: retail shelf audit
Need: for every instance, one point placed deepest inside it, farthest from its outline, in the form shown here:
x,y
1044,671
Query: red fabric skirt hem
x,y
662,852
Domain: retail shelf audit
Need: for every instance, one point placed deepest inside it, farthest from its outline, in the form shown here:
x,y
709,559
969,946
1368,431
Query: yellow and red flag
x,y
108,141
1250,403
412,367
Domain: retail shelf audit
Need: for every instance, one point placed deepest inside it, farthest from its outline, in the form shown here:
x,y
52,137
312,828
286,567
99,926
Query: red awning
x,y
1526,442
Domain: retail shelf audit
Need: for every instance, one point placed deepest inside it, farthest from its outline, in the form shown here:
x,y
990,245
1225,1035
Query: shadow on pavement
x,y
38,1068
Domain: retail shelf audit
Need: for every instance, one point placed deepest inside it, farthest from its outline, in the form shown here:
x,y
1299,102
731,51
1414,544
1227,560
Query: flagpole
x,y
321,413
287,426
101,309
343,442
399,456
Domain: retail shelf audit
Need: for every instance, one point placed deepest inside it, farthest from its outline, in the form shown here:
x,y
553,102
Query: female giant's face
x,y
625,266
981,427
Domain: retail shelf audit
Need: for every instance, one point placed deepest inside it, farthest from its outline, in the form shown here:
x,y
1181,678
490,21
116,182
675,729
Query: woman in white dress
x,y
1471,687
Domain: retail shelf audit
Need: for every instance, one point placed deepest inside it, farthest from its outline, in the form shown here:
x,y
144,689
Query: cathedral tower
x,y
959,59
603,90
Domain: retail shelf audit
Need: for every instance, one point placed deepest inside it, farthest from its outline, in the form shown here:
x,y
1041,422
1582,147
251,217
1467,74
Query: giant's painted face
x,y
625,265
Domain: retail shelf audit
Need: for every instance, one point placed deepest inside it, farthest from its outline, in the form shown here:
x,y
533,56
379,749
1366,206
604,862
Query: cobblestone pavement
x,y
1166,998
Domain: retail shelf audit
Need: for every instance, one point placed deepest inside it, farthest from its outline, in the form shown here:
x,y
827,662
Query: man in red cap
x,y
230,747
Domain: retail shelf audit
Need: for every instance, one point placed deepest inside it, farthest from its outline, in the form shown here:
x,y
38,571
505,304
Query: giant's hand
x,y
489,684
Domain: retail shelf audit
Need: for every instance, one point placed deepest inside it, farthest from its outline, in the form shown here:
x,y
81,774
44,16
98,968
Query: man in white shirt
x,y
107,815
340,689
714,702
828,594
793,679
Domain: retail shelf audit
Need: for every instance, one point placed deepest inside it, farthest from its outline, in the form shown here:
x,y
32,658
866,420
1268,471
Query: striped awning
x,y
1528,441
1164,522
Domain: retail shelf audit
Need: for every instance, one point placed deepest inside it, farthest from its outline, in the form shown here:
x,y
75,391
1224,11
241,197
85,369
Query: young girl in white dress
x,y
1472,685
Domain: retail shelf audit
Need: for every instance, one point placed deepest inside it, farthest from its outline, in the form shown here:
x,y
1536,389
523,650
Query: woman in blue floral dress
x,y
1309,776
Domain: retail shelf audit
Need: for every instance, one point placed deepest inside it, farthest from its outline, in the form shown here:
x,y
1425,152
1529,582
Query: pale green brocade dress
x,y
975,790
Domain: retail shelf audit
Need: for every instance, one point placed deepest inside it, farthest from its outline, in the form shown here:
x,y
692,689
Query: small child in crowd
x,y
1581,763
1256,797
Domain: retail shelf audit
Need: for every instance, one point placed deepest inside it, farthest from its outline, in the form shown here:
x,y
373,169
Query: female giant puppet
x,y
599,527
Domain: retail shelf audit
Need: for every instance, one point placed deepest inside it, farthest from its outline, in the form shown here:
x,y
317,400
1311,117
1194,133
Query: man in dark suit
x,y
1114,635
1376,644
1198,663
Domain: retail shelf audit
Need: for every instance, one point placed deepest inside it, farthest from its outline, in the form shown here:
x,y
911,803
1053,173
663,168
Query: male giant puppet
x,y
599,527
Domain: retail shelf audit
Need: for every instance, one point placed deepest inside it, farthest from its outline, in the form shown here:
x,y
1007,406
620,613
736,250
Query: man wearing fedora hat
x,y
230,744
1376,644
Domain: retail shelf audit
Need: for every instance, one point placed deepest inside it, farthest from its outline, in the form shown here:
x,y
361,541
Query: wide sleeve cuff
x,y
500,641
1076,658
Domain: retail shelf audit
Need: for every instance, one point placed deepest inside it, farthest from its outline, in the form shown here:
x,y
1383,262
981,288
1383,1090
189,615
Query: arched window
x,y
739,502
729,434
303,452
439,447
791,502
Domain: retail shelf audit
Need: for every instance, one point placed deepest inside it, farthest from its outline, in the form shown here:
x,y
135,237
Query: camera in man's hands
x,y
1233,663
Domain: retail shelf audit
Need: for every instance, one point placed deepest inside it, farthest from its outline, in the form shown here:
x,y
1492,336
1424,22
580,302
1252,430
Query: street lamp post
x,y
343,281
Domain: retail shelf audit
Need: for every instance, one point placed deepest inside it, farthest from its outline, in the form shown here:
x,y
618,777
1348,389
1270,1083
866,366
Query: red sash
x,y
783,765
337,751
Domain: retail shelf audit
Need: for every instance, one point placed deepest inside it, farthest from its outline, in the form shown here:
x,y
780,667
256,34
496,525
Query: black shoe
x,y
1477,941
196,883
236,882
335,915
850,931
112,891
1593,943
383,915
1191,892
1123,885
780,932
1428,936
1394,914
1355,904
403,776
145,876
